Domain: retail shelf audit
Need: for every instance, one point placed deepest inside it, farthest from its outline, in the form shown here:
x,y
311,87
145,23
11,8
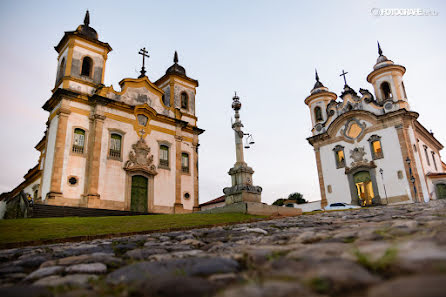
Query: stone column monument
x,y
242,189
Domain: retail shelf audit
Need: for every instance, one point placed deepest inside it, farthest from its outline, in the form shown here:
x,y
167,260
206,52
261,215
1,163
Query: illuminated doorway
x,y
364,188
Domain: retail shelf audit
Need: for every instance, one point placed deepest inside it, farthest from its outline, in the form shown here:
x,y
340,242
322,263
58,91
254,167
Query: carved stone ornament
x,y
140,159
357,154
242,188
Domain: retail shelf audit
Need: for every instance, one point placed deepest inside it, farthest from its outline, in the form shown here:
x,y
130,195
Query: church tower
x,y
81,60
318,102
387,81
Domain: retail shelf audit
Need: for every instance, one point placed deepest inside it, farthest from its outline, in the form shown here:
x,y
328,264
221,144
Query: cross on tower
x,y
144,54
343,74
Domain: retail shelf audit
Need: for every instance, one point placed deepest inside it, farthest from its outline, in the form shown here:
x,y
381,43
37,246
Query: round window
x,y
187,195
72,180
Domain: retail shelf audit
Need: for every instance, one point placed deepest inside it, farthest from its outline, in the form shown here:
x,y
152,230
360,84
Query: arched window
x,y
427,155
165,100
185,162
115,146
87,64
164,155
78,141
184,100
61,71
318,114
376,147
339,156
385,89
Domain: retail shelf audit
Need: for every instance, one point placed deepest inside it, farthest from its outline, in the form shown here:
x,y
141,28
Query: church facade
x,y
135,148
371,149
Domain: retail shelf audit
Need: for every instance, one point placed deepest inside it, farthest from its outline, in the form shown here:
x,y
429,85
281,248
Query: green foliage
x,y
298,197
380,265
320,284
279,202
22,230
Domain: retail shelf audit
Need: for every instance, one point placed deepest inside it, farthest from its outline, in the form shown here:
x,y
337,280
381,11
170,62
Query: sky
x,y
265,50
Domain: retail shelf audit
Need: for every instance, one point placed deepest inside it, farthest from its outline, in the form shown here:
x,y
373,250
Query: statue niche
x,y
140,158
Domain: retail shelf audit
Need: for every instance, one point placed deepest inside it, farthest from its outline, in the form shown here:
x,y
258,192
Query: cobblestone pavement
x,y
382,251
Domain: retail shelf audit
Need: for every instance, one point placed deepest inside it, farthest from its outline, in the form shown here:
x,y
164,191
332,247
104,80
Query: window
x,y
61,71
164,155
186,196
165,100
318,114
184,100
185,162
427,155
376,147
385,89
87,64
339,156
72,180
78,141
115,146
353,130
433,160
142,119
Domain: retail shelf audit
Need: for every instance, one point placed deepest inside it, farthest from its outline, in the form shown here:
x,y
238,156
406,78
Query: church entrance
x,y
139,193
364,188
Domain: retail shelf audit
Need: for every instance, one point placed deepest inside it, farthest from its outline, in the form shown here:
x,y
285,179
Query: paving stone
x,y
91,268
44,272
106,258
25,290
412,286
191,267
268,289
144,253
72,280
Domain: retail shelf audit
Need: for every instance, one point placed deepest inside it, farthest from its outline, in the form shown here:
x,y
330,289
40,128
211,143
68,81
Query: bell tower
x,y
387,81
81,60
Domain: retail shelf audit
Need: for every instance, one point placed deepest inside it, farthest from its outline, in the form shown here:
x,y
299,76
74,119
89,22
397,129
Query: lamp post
x,y
384,185
412,180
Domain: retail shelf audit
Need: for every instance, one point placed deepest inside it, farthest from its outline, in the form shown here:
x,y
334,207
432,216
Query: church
x,y
133,148
370,148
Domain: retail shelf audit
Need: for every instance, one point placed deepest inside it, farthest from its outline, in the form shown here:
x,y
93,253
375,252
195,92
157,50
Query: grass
x,y
47,229
380,265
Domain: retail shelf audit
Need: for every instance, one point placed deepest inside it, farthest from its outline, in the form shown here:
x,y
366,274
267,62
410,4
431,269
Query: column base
x,y
243,197
178,208
196,208
53,195
93,200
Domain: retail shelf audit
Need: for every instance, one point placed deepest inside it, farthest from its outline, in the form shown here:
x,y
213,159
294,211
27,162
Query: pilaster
x,y
59,150
94,160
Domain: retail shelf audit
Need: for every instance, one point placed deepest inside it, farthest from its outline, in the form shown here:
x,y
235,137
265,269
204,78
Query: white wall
x,y
48,167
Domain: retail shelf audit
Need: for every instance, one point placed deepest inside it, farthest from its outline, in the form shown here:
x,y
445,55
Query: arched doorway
x,y
364,187
441,191
139,193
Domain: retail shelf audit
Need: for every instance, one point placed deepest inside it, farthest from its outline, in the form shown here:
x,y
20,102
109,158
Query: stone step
x,y
48,211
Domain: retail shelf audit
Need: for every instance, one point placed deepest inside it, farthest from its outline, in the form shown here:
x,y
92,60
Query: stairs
x,y
51,211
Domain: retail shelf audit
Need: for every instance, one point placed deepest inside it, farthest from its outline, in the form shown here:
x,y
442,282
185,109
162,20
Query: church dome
x,y
86,30
176,68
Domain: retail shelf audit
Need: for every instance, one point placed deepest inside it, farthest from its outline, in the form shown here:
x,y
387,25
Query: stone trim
x,y
59,152
85,149
321,178
353,191
122,134
371,140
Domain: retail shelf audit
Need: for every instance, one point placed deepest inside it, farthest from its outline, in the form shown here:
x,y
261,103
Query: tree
x,y
279,202
298,197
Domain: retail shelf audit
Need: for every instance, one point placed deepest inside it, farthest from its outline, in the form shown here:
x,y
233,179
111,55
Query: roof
x,y
216,200
436,174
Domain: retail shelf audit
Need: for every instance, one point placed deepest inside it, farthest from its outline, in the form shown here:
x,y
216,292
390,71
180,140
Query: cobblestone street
x,y
381,251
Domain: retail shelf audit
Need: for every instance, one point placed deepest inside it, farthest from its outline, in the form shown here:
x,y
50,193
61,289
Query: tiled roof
x,y
216,200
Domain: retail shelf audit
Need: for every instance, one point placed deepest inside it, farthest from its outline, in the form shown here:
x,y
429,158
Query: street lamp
x,y
412,180
384,185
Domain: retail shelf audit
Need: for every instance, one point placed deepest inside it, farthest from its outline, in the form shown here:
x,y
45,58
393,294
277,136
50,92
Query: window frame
x,y
85,146
383,92
433,160
90,75
121,134
187,100
161,163
426,154
316,119
376,138
184,169
339,163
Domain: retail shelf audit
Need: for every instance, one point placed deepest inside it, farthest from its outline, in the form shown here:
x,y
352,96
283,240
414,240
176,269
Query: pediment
x,y
135,92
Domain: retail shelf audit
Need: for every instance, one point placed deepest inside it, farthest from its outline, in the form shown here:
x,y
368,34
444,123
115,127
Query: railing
x,y
78,149
164,163
115,154
185,169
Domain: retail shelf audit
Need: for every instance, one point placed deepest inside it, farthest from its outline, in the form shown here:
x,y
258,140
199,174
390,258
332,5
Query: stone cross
x,y
343,74
144,54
